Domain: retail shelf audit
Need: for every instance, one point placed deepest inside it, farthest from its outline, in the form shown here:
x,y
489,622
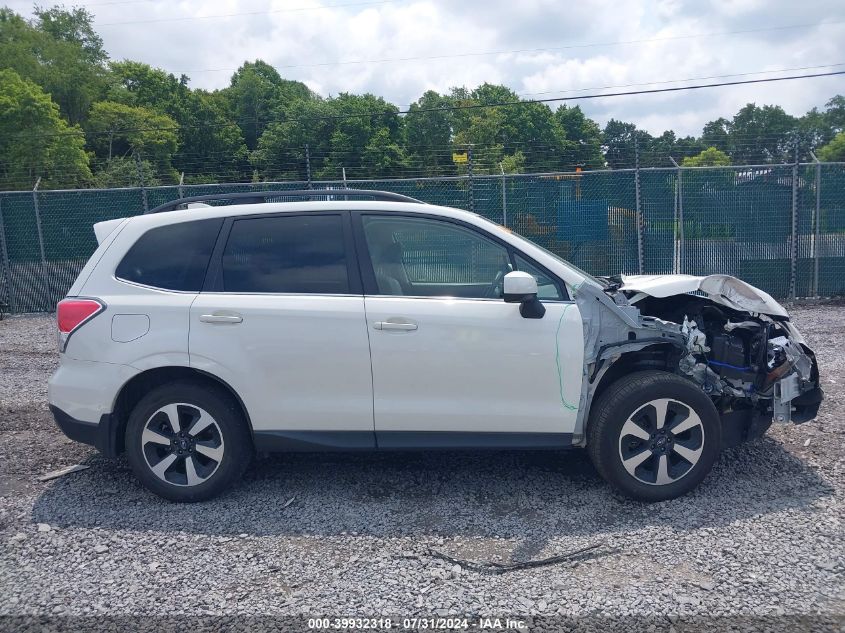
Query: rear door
x,y
453,364
281,319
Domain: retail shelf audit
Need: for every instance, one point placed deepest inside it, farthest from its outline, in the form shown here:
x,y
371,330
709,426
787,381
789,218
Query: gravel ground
x,y
763,535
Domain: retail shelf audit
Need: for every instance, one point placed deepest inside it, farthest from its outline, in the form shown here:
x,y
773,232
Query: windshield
x,y
594,279
599,282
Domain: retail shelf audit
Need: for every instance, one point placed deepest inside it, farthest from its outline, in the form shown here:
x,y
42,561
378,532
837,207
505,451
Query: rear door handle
x,y
401,326
221,318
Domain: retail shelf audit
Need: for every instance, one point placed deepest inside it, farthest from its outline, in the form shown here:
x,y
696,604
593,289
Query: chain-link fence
x,y
779,227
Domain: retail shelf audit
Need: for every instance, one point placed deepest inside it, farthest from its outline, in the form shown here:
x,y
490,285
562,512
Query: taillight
x,y
72,313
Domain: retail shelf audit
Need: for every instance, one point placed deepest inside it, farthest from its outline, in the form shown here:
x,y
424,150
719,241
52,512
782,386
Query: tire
x,y
637,457
210,451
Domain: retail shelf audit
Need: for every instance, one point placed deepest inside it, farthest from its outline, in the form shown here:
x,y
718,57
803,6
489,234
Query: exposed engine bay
x,y
740,359
732,339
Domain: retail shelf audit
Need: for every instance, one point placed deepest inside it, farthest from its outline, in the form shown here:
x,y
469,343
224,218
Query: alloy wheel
x,y
182,444
661,441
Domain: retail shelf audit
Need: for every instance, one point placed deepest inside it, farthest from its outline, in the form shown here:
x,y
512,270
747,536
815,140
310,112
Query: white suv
x,y
194,338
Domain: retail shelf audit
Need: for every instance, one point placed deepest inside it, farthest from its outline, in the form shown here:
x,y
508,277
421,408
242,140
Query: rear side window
x,y
302,254
171,257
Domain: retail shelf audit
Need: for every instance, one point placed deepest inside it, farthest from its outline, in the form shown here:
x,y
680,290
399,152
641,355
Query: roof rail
x,y
257,197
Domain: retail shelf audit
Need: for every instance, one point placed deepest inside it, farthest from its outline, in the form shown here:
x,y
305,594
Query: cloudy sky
x,y
541,48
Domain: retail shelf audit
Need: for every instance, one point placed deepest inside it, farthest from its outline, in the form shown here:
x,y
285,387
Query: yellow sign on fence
x,y
459,157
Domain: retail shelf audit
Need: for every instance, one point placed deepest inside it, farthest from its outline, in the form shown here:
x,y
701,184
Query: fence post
x,y
140,169
469,173
640,254
46,277
817,220
793,244
7,269
181,183
679,217
308,166
504,198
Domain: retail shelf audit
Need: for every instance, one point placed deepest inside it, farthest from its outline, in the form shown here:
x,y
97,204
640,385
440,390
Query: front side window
x,y
420,257
171,257
302,254
547,288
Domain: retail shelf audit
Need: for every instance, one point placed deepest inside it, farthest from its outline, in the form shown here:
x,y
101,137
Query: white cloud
x,y
298,41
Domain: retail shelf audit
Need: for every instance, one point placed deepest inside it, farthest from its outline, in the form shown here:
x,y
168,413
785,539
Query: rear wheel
x,y
654,435
187,442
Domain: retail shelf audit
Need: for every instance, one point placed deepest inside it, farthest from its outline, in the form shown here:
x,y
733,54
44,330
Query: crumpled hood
x,y
723,289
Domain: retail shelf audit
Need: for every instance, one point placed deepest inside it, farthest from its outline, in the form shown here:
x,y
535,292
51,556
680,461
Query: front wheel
x,y
187,441
654,435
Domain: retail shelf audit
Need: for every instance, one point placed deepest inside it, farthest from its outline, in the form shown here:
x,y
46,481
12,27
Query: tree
x,y
513,163
210,144
762,135
117,130
258,96
428,127
833,151
281,148
73,27
122,171
383,155
710,157
35,141
623,143
835,114
362,123
361,133
585,136
60,52
499,130
717,134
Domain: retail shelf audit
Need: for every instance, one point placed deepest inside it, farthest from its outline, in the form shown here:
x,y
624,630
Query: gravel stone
x,y
763,535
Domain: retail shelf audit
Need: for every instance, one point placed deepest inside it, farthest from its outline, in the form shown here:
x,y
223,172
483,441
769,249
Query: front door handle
x,y
401,326
221,318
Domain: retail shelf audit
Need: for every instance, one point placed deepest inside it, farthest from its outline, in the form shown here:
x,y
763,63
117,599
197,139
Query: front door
x,y
283,324
452,363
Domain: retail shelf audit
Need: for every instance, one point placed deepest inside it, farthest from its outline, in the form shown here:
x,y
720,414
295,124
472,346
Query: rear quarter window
x,y
171,257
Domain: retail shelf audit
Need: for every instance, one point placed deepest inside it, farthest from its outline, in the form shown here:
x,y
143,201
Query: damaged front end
x,y
735,342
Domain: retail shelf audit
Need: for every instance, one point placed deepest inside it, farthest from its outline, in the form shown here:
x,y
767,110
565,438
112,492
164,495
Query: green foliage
x,y
710,157
210,144
258,96
258,127
116,129
761,135
428,128
60,52
514,163
503,130
122,171
584,135
835,150
349,132
35,141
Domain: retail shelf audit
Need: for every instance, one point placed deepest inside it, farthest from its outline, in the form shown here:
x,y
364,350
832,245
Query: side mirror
x,y
520,287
